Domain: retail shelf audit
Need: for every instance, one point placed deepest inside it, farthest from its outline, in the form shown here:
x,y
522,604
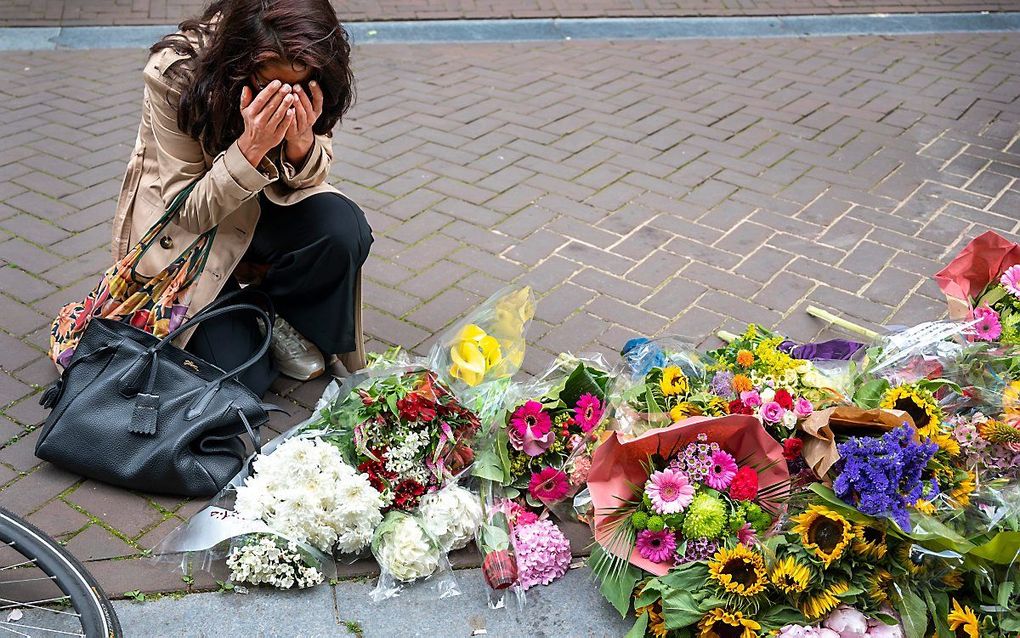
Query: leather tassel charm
x,y
143,419
51,394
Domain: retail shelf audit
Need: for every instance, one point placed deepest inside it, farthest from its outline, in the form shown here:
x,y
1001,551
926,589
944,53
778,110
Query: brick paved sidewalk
x,y
110,12
672,187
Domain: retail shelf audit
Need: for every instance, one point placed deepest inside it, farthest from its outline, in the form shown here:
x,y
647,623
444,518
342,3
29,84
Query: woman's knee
x,y
342,228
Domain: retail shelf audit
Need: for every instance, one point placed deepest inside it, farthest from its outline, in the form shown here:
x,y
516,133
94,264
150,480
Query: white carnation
x,y
304,490
452,515
407,552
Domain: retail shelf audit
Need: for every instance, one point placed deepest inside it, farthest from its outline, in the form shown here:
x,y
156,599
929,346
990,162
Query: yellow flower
x,y
656,621
745,358
913,562
790,576
869,541
716,406
961,493
919,404
720,623
741,383
739,571
683,410
1011,398
925,507
818,604
673,381
1000,432
878,586
946,443
953,580
824,532
473,353
963,621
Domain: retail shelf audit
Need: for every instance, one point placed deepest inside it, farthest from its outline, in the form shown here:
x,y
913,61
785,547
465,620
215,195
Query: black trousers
x,y
314,249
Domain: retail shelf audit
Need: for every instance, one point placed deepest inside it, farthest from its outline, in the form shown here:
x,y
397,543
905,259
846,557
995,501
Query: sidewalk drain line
x,y
555,30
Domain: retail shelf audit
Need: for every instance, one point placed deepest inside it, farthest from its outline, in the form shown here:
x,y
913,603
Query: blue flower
x,y
884,476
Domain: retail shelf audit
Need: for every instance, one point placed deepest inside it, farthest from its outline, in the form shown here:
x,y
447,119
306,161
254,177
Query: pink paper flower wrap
x,y
983,260
619,461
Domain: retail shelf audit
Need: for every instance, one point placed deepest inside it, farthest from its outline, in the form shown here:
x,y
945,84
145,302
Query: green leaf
x,y
992,296
680,609
781,615
913,612
1005,593
869,395
618,586
938,610
639,628
885,618
1002,549
494,538
583,380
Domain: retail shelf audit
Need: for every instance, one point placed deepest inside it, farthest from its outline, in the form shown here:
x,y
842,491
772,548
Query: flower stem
x,y
850,326
726,336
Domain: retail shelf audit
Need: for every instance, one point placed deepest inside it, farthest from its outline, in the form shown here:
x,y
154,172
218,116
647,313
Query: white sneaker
x,y
295,356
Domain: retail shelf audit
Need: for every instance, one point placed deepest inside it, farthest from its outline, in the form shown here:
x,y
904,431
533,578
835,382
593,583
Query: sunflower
x,y
741,383
683,410
961,493
818,604
953,580
963,621
673,381
790,576
739,571
925,507
716,406
914,562
745,358
824,532
1011,398
919,404
720,623
946,443
869,541
878,586
656,621
1000,432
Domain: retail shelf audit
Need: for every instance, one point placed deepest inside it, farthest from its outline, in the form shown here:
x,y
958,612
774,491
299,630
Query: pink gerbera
x,y
588,412
724,468
988,327
1011,280
530,417
669,491
657,547
549,484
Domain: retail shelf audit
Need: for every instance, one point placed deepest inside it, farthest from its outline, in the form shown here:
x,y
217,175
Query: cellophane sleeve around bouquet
x,y
495,541
659,382
538,446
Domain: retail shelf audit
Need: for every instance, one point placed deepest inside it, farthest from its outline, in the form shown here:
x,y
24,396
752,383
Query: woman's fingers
x,y
286,104
246,97
265,95
313,86
304,113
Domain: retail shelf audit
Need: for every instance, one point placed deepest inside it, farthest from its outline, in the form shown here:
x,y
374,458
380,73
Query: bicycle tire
x,y
98,617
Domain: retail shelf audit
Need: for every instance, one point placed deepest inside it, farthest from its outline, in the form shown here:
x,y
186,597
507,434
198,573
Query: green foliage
x,y
135,595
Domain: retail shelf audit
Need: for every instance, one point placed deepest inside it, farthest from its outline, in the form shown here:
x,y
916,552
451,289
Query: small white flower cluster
x,y
404,459
406,551
264,561
452,515
304,490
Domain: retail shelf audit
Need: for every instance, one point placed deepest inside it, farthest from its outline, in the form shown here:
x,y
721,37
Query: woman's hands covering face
x,y
268,117
307,109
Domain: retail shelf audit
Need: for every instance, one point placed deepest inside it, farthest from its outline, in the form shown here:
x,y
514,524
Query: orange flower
x,y
742,383
745,359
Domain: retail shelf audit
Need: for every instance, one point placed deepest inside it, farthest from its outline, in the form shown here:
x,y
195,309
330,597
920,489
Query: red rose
x,y
737,407
784,399
745,484
792,448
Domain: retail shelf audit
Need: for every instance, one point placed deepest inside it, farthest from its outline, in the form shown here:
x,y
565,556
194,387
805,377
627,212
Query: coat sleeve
x,y
315,169
219,190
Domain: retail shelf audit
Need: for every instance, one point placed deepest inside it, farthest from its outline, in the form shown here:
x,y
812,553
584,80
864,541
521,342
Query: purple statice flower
x,y
696,549
883,476
722,384
695,460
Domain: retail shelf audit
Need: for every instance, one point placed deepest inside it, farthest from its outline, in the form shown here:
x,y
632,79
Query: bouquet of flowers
x,y
406,552
266,559
982,284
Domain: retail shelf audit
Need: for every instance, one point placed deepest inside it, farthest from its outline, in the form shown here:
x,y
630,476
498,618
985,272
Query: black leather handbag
x,y
139,412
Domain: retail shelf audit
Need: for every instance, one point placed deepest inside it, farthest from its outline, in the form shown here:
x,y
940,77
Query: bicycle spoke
x,y
26,580
7,625
27,562
36,606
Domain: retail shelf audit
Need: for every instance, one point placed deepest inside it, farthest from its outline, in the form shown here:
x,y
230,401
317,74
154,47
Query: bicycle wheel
x,y
44,591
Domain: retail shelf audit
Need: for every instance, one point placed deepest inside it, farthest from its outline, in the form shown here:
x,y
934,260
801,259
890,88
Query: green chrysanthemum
x,y
737,519
760,519
674,521
706,517
639,520
656,524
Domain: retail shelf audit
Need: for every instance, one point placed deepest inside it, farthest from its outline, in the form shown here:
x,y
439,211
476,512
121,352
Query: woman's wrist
x,y
297,152
251,153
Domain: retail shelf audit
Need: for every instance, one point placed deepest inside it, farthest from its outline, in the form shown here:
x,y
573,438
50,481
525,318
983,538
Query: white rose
x,y
790,419
767,395
452,515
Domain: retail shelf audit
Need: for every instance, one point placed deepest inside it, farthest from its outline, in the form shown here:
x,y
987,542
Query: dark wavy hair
x,y
247,34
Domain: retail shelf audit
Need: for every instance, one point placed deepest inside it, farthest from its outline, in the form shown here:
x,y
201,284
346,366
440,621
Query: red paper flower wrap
x,y
983,260
620,460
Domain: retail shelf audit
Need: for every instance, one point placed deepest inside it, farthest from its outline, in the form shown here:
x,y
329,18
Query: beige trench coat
x,y
165,160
